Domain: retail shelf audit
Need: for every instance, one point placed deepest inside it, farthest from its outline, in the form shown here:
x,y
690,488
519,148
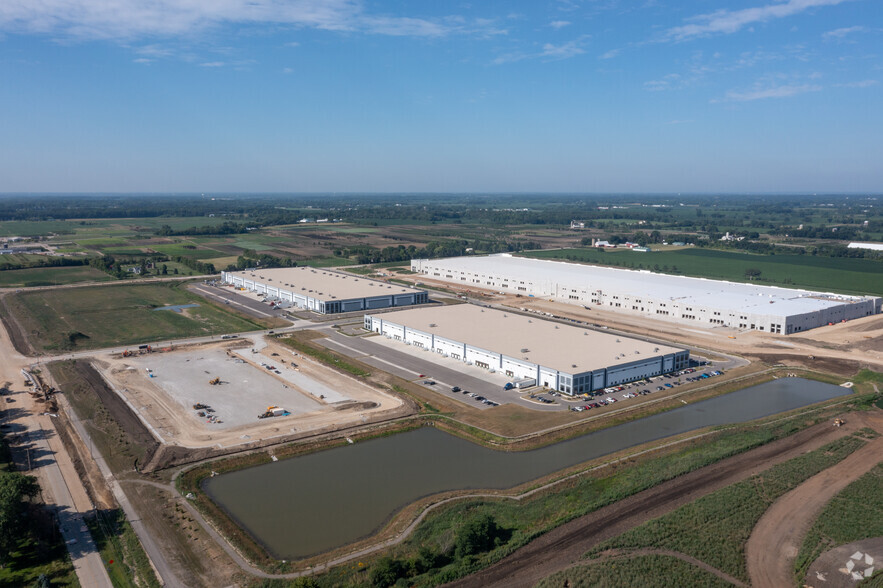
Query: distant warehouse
x,y
324,291
695,301
570,359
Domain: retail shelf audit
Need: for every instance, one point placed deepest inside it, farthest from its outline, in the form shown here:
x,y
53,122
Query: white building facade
x,y
561,357
324,291
696,301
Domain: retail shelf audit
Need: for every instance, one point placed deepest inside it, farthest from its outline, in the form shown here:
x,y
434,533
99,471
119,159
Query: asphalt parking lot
x,y
445,372
246,304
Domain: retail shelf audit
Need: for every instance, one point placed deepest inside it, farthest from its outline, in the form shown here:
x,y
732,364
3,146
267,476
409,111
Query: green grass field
x,y
116,540
179,249
647,571
49,276
117,315
715,528
854,276
856,513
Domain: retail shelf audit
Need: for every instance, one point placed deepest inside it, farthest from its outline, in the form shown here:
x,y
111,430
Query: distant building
x,y
872,246
641,249
575,224
324,291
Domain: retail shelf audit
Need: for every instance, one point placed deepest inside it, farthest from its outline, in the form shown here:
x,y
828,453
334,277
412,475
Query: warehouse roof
x,y
737,297
322,284
562,347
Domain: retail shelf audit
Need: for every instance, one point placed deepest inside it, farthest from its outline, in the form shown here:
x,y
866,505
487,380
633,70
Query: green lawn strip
x,y
327,357
104,316
51,276
646,571
855,513
715,528
125,560
864,276
180,250
326,262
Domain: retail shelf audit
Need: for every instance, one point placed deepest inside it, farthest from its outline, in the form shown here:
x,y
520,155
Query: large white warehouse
x,y
570,359
324,291
697,301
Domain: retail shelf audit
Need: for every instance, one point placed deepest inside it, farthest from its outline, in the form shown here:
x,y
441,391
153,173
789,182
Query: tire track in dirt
x,y
564,545
778,535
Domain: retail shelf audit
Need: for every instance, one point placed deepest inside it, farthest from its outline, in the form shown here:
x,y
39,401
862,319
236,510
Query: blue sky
x,y
349,95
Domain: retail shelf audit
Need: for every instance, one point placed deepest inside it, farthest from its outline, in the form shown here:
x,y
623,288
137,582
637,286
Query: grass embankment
x,y
856,513
127,564
103,316
854,276
39,549
113,441
527,519
51,276
647,571
715,528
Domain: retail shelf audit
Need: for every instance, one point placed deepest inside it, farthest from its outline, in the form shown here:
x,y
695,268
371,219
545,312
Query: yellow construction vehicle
x,y
839,422
215,381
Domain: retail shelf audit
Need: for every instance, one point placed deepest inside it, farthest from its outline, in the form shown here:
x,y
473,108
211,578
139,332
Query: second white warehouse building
x,y
695,301
570,359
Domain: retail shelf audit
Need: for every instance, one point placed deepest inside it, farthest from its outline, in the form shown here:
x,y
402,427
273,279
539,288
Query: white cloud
x,y
134,19
730,21
213,64
785,91
559,24
679,121
842,32
565,51
861,84
287,70
610,54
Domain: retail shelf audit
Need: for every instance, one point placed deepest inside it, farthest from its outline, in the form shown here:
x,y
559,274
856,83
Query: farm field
x,y
104,316
715,528
647,571
50,276
847,275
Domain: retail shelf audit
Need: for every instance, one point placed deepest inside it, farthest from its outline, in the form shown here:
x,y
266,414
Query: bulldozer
x,y
839,422
214,381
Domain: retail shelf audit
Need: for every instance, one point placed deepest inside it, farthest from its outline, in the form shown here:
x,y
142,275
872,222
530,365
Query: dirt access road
x,y
563,546
778,535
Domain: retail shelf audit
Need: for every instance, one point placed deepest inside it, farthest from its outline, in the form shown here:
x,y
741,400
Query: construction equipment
x,y
214,381
839,422
199,406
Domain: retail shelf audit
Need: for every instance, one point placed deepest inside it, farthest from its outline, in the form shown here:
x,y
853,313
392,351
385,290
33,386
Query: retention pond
x,y
313,503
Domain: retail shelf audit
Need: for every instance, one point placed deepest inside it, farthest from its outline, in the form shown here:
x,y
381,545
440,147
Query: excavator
x,y
214,381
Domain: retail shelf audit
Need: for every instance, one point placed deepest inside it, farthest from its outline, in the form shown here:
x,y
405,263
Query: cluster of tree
x,y
821,232
196,265
479,534
225,228
15,490
432,250
251,258
43,261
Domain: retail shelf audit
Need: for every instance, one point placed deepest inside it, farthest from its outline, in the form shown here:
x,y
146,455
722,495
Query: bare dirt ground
x,y
563,546
175,422
778,535
830,570
841,348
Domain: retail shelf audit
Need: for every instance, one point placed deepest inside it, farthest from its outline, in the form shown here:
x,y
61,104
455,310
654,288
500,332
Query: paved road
x,y
157,560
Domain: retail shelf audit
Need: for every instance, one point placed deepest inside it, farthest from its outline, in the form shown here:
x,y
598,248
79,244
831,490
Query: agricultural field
x,y
847,275
715,528
647,571
104,316
856,513
51,276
